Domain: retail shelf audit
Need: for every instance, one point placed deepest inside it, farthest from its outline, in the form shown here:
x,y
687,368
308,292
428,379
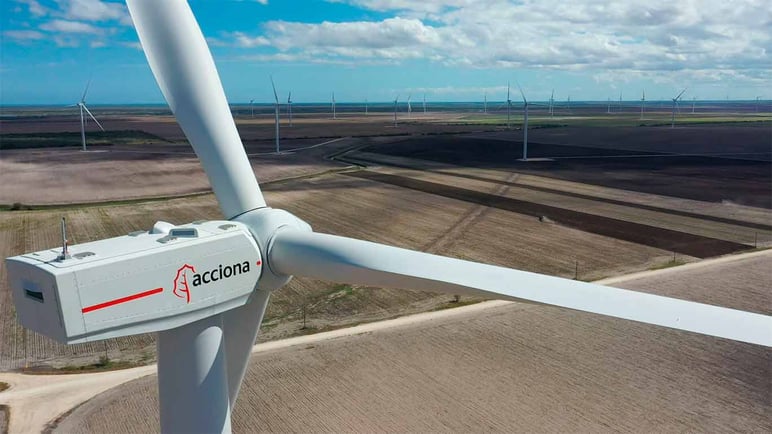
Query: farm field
x,y
414,219
521,368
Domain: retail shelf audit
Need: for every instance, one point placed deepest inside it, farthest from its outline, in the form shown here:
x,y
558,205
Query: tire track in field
x,y
666,239
467,220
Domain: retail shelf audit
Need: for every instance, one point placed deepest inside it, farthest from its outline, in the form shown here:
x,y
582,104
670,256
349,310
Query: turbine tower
x,y
276,113
643,102
620,102
334,115
608,109
525,123
289,107
509,108
206,332
694,103
675,104
409,107
252,107
424,102
485,103
83,111
365,106
396,99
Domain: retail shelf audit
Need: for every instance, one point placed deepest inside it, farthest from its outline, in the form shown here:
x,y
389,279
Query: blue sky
x,y
451,50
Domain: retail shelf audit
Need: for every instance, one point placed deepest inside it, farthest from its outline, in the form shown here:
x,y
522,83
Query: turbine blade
x,y
85,91
186,73
679,95
521,92
289,98
347,260
508,91
275,95
92,117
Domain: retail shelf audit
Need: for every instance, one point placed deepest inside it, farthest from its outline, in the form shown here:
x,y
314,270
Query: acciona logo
x,y
187,277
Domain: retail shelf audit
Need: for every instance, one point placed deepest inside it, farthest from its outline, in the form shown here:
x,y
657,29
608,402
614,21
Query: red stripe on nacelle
x,y
121,300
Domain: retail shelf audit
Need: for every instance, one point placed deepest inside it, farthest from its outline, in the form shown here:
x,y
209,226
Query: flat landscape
x,y
516,368
603,201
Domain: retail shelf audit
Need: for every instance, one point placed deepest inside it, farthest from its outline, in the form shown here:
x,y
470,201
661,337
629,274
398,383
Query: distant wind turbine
x,y
396,99
276,113
608,110
675,104
83,108
509,107
643,102
757,103
289,107
409,107
525,124
365,106
568,102
424,103
620,102
694,103
334,115
252,107
485,103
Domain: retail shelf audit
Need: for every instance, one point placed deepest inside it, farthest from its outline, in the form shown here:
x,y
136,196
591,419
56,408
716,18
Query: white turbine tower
x,y
83,111
424,102
509,109
568,103
525,123
552,103
608,109
396,100
204,345
289,107
365,106
643,102
694,103
409,107
334,115
620,102
485,103
675,104
276,108
252,107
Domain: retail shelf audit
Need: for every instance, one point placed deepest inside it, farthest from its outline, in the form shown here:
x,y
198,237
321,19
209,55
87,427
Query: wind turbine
x,y
365,106
334,116
509,108
82,106
643,102
424,103
396,99
409,107
620,102
568,103
694,103
276,113
485,103
252,107
675,104
608,110
552,103
202,354
525,124
289,107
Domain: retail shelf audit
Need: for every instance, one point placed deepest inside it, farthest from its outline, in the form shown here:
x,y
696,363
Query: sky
x,y
449,50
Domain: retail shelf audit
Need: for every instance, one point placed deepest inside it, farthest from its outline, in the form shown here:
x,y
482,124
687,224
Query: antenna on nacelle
x,y
65,253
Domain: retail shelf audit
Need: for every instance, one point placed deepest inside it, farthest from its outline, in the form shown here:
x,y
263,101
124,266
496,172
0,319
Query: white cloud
x,y
34,7
24,35
64,26
629,37
93,10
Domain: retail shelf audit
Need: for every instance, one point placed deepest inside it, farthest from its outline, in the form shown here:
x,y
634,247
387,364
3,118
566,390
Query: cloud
x,y
94,10
34,7
631,36
64,26
24,35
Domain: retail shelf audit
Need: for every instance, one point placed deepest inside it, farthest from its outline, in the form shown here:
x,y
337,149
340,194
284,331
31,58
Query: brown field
x,y
517,368
413,219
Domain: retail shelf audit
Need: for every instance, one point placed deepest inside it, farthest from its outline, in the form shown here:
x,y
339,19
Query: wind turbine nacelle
x,y
139,283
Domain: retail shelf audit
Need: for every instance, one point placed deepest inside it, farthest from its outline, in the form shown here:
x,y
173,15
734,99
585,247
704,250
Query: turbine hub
x,y
264,224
